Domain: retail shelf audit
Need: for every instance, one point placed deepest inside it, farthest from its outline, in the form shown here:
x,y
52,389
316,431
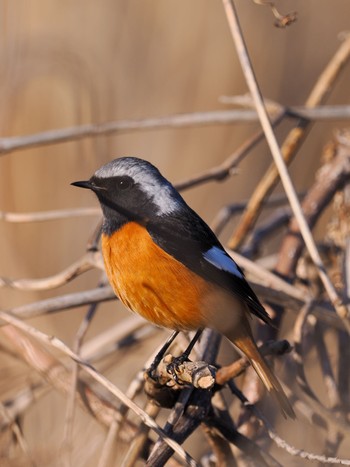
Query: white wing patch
x,y
218,258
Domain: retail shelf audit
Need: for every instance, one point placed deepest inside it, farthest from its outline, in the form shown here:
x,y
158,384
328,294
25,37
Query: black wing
x,y
187,238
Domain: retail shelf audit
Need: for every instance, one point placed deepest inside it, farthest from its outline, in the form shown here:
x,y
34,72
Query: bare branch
x,y
198,374
64,302
16,430
54,342
290,146
90,260
281,442
277,291
215,117
279,161
227,168
225,373
281,20
43,216
70,408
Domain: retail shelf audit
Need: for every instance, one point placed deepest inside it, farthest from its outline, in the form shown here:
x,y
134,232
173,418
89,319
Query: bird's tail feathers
x,y
248,347
273,386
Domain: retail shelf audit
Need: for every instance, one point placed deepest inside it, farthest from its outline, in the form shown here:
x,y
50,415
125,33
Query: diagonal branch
x,y
55,343
91,259
279,161
292,143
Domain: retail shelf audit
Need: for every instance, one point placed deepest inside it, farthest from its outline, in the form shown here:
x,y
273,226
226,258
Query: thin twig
x,y
215,117
115,337
283,444
20,402
247,446
227,168
236,368
57,375
277,291
281,20
327,371
191,406
109,446
227,213
293,451
330,178
291,144
298,356
326,418
17,432
54,342
90,260
43,216
136,385
273,224
67,443
63,302
279,161
140,439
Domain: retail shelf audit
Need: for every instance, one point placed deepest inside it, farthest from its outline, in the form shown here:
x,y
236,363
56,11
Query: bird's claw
x,y
151,373
173,368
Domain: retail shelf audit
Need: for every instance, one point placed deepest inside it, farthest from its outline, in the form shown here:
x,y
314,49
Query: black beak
x,y
84,184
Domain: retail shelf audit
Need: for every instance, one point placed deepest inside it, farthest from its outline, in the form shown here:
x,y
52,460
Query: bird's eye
x,y
124,183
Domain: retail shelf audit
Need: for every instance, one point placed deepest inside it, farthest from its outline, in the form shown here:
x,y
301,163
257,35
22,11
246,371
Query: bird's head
x,y
130,188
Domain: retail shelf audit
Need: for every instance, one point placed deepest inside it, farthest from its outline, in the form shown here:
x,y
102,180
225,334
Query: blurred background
x,y
68,63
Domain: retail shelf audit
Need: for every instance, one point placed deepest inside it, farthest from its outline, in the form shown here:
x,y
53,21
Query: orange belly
x,y
151,282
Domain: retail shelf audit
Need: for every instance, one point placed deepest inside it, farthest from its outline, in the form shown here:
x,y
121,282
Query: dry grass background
x,y
69,63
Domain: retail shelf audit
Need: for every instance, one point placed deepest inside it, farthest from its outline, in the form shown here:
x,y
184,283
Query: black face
x,y
122,200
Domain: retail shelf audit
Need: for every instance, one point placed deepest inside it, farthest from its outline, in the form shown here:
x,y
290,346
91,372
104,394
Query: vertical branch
x,y
291,144
279,161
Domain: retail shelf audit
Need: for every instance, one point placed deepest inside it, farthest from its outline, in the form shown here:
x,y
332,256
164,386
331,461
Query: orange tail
x,y
250,350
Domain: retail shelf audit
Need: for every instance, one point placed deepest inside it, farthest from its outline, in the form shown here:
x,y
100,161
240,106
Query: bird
x,y
165,263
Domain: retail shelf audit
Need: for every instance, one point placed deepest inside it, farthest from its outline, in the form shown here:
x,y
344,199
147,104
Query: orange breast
x,y
151,282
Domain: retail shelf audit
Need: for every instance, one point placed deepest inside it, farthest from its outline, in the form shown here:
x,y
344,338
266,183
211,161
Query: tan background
x,y
65,63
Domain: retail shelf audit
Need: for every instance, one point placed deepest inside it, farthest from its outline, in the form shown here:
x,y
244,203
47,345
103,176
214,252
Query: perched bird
x,y
165,263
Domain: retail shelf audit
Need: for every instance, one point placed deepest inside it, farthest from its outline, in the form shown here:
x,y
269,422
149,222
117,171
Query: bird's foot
x,y
174,367
151,372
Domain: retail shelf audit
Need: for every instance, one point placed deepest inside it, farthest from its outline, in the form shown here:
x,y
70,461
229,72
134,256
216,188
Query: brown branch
x,y
67,443
64,302
326,367
227,168
56,374
191,405
304,338
282,20
284,175
296,452
274,290
196,412
220,448
219,427
283,444
215,117
18,435
289,148
91,259
43,362
140,440
299,337
225,214
225,373
330,178
198,374
43,216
